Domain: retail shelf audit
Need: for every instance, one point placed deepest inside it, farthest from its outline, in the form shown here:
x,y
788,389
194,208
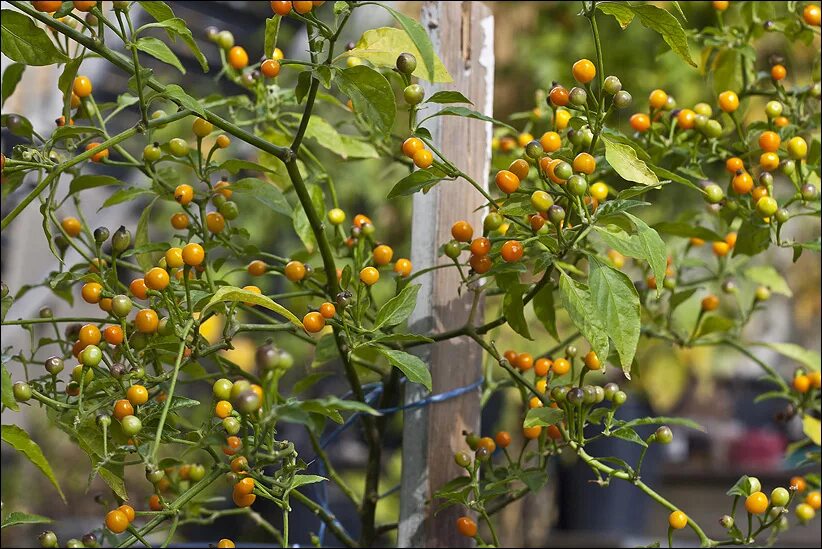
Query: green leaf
x,y
626,164
626,433
302,480
16,517
234,294
125,195
686,230
808,357
158,10
6,389
713,324
398,308
344,146
448,96
301,224
770,277
576,299
309,381
465,112
645,244
325,350
303,84
415,181
11,77
414,369
622,12
514,310
141,236
159,50
65,132
18,439
659,20
543,417
176,93
371,95
234,165
265,193
83,182
683,422
679,298
752,238
272,28
177,27
544,310
21,40
727,73
616,301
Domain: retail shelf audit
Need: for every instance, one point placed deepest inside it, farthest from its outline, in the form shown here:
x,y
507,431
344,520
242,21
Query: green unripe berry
x,y
623,99
663,435
762,293
492,221
413,94
406,63
152,153
462,459
714,193
556,214
611,85
178,147
563,170
577,185
452,249
91,356
101,234
534,150
610,390
231,425
222,389
780,497
131,425
225,40
541,201
578,96
54,365
47,539
809,192
766,206
22,391
619,398
120,240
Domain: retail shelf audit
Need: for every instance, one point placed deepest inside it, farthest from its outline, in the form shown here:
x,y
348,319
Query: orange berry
x,y
180,221
122,408
137,395
480,246
423,159
411,145
512,251
257,268
728,101
640,122
328,310
481,264
524,361
507,182
584,163
584,71
113,335
92,292
237,58
369,276
742,183
382,255
542,366
779,72
294,271
154,503
769,141
657,99
138,288
99,155
520,168
530,433
559,96
281,8
462,231
193,254
270,68
313,322
116,521
561,366
550,141
402,267
146,321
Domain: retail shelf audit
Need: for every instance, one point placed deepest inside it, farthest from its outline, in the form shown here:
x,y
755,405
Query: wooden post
x,y
462,34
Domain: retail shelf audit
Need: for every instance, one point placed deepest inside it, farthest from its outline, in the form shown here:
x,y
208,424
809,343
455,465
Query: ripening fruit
x,y
541,201
592,361
237,58
336,216
584,163
480,246
814,500
519,167
137,395
812,15
411,145
467,527
480,263
657,99
313,322
512,251
462,231
756,503
584,71
530,433
99,156
599,191
797,148
779,72
184,194
180,221
728,101
369,276
270,68
294,271
193,254
561,366
734,164
281,8
146,321
550,142
640,122
558,96
769,141
157,279
226,543
215,222
402,267
710,303
91,292
81,86
561,119
507,182
678,520
769,161
423,159
523,361
116,521
742,183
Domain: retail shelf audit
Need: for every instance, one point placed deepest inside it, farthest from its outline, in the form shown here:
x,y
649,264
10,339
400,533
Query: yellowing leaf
x,y
211,328
812,428
381,46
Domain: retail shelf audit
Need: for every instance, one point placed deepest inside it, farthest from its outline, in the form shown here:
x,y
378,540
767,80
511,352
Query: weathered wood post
x,y
463,36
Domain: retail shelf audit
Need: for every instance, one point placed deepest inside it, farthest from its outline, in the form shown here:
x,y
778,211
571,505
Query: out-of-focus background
x,y
535,43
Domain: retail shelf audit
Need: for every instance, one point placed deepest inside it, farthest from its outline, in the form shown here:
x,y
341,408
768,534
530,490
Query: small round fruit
x,y
541,201
137,395
804,512
237,58
131,425
812,15
406,63
677,520
423,159
336,216
657,99
82,86
640,122
584,71
270,68
193,254
402,267
117,521
411,146
506,181
756,503
313,322
413,94
467,527
146,321
663,435
462,231
780,497
369,276
766,206
512,251
797,148
178,147
728,101
592,361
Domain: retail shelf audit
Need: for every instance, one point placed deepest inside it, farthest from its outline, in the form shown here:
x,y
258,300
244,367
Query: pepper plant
x,y
563,232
